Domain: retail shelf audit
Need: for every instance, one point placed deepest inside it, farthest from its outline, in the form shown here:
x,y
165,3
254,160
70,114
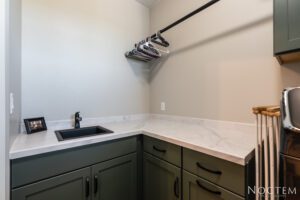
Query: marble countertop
x,y
231,141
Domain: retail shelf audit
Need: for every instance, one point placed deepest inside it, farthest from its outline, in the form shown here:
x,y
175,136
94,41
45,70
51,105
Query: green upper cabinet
x,y
287,30
116,179
70,186
161,179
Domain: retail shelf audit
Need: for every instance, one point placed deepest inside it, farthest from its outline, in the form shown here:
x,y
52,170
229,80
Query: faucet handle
x,y
77,120
77,116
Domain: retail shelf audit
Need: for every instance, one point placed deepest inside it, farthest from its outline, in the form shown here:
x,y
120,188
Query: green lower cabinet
x,y
112,180
70,186
161,179
195,188
157,175
116,179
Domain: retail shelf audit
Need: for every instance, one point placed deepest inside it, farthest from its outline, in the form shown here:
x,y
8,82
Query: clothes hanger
x,y
157,47
137,55
147,50
139,49
148,45
158,39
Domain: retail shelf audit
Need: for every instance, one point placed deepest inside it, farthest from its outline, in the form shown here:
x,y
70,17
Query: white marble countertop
x,y
231,141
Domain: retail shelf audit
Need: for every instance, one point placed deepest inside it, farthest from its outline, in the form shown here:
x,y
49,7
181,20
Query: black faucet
x,y
77,119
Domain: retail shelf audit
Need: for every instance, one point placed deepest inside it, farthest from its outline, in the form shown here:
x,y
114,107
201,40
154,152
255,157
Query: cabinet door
x,y
70,186
116,179
161,179
195,188
286,25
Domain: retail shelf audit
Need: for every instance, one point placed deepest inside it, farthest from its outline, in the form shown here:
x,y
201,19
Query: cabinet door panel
x,y
70,186
294,19
286,25
195,188
161,179
116,179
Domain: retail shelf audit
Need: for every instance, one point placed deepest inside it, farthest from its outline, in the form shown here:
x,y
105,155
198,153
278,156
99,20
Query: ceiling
x,y
148,3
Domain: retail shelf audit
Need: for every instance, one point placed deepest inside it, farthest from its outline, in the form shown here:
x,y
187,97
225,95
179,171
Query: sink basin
x,y
81,132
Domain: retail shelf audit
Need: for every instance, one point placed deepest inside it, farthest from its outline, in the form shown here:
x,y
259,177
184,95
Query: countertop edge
x,y
63,146
210,152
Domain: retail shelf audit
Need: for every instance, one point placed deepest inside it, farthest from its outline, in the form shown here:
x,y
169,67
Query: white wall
x,y
15,7
221,64
4,118
222,60
73,58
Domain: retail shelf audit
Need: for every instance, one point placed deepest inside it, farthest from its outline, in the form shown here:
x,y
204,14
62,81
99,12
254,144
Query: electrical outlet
x,y
163,106
11,103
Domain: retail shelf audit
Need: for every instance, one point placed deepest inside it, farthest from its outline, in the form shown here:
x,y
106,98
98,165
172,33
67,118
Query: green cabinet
x,y
287,30
70,186
163,150
226,174
196,188
116,179
111,180
129,169
106,171
43,166
161,180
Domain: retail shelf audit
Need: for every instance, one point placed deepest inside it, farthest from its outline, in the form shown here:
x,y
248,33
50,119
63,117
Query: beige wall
x,y
221,63
73,58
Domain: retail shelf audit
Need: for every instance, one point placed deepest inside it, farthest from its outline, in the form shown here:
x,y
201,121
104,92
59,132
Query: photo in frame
x,y
35,125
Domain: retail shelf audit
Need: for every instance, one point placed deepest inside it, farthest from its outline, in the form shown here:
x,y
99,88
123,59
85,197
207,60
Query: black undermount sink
x,y
81,132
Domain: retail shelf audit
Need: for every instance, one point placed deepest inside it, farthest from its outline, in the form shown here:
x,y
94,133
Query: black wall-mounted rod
x,y
187,16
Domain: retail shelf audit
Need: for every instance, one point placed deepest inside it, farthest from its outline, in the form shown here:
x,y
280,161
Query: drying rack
x,y
156,35
267,151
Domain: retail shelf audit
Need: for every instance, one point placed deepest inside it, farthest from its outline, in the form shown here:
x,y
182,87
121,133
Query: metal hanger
x,y
157,47
147,51
158,39
141,47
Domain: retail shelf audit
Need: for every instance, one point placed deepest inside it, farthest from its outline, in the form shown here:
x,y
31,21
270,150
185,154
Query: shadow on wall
x,y
140,69
157,65
225,34
146,70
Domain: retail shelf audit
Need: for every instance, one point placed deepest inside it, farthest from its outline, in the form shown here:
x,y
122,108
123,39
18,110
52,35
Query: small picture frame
x,y
35,125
